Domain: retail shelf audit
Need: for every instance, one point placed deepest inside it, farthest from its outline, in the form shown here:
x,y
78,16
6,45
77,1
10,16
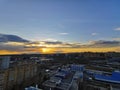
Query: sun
x,y
45,50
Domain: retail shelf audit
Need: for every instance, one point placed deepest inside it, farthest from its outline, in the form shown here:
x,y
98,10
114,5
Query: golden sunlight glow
x,y
3,52
60,50
106,49
46,50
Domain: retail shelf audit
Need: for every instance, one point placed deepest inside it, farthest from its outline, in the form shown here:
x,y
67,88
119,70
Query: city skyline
x,y
60,26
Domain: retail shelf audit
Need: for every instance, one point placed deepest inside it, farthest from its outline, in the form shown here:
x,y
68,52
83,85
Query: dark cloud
x,y
72,45
11,38
107,42
102,43
10,47
53,42
34,47
33,42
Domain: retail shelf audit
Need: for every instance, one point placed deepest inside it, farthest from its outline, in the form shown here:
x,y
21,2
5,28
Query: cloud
x,y
50,39
11,47
63,33
58,46
11,38
56,42
29,46
106,42
117,39
117,29
94,34
103,43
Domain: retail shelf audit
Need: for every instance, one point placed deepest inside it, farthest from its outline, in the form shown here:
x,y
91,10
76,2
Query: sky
x,y
67,21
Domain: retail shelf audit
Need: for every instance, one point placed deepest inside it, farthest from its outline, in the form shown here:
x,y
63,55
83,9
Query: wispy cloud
x,y
94,34
117,29
50,39
63,33
117,39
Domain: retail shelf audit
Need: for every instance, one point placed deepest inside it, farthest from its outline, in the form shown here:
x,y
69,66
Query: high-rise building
x,y
4,62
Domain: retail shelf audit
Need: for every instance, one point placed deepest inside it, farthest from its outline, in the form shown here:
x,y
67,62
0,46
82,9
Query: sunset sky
x,y
58,26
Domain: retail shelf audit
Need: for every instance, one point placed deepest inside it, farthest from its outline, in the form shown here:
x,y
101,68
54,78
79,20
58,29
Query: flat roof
x,y
65,82
114,78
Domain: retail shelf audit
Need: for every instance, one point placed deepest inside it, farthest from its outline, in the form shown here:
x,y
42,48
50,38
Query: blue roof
x,y
114,78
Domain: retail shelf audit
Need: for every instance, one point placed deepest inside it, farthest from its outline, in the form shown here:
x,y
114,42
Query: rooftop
x,y
59,82
114,78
